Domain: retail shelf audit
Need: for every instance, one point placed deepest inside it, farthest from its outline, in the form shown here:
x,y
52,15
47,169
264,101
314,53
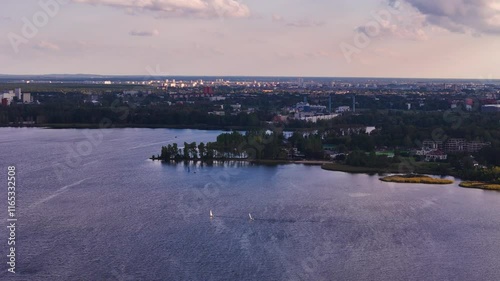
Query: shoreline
x,y
131,126
148,126
336,167
269,162
416,179
388,170
419,173
480,185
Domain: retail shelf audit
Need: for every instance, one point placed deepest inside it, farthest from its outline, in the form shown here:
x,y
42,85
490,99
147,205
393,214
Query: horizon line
x,y
260,76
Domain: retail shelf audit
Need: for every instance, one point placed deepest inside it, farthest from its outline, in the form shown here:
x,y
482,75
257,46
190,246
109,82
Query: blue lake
x,y
91,206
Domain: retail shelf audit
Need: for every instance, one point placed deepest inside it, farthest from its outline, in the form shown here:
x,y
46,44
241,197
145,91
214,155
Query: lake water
x,y
106,212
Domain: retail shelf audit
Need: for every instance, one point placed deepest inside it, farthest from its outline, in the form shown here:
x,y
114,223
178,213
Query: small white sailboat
x,y
211,214
250,216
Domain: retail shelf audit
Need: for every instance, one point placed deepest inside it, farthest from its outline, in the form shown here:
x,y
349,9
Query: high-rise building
x,y
26,98
300,82
18,93
208,91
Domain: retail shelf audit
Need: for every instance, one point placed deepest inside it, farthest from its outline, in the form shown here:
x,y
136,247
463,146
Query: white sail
x,y
250,216
211,214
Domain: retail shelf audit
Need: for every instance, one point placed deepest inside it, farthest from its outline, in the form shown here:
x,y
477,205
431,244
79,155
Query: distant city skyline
x,y
399,39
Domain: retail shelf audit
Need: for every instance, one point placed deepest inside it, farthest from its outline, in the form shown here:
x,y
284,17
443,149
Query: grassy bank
x,y
413,167
480,185
415,179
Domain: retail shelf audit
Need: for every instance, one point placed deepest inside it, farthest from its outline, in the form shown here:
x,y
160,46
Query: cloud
x,y
410,29
277,18
305,23
461,16
144,33
168,8
47,46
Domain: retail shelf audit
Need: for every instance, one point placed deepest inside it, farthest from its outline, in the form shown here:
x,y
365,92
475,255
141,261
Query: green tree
x,y
201,150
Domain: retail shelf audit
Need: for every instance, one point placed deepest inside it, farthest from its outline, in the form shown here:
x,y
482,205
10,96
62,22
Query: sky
x,y
330,38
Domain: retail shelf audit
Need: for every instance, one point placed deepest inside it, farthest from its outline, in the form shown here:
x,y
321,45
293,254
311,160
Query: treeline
x,y
481,166
407,130
255,145
490,175
362,159
161,115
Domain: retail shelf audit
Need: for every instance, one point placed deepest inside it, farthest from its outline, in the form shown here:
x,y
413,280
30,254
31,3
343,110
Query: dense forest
x,y
253,145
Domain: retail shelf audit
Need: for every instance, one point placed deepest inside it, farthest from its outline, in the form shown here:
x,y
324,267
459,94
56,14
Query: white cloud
x,y
46,45
144,33
277,18
194,8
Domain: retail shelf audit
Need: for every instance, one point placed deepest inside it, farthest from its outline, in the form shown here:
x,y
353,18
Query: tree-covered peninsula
x,y
253,145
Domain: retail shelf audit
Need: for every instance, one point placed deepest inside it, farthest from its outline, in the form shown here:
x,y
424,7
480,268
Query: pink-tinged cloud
x,y
144,33
277,18
48,46
305,23
166,8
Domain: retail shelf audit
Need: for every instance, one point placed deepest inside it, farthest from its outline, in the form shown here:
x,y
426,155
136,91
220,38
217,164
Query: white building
x,y
217,98
218,113
342,109
236,106
436,155
26,98
432,154
9,96
18,93
315,119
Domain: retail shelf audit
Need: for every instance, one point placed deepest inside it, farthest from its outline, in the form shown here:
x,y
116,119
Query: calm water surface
x,y
112,214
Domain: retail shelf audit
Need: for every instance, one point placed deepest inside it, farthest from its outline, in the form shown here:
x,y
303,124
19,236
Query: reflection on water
x,y
119,216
